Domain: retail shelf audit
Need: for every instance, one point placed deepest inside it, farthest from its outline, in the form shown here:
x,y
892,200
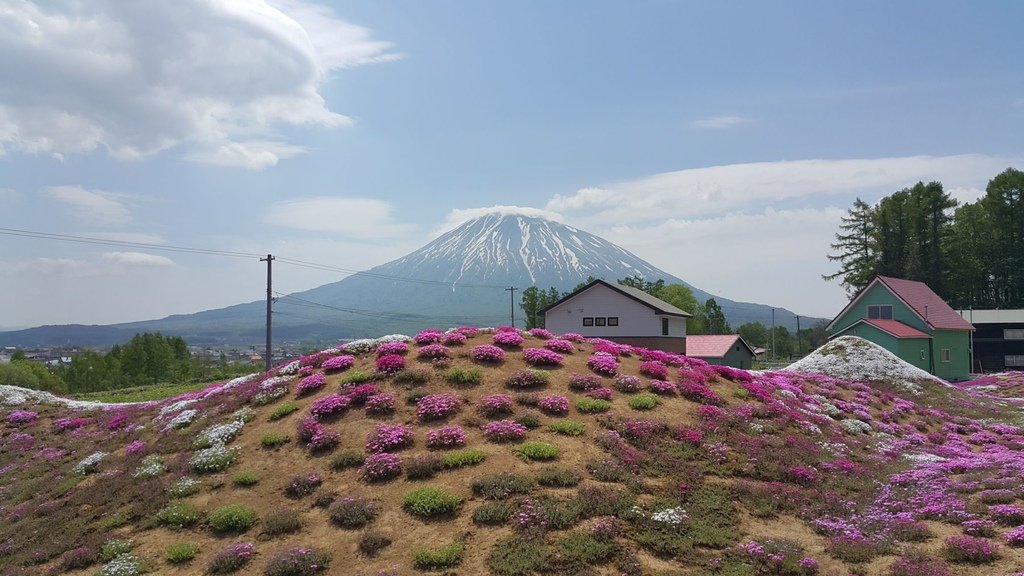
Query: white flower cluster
x,y
183,419
150,467
176,406
370,344
183,487
264,397
243,414
218,434
825,407
670,515
924,457
835,448
756,428
239,381
122,565
786,393
811,428
290,369
856,359
90,463
213,459
854,426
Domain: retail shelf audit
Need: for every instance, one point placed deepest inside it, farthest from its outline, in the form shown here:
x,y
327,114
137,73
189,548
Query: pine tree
x,y
854,248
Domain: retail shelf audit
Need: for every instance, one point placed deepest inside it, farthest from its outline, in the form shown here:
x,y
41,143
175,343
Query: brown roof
x,y
712,346
928,305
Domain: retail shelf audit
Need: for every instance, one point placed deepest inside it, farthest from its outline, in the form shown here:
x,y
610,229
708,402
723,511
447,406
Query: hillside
x,y
451,452
458,278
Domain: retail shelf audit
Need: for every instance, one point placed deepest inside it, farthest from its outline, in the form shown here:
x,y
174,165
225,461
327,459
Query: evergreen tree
x,y
715,318
1004,202
854,248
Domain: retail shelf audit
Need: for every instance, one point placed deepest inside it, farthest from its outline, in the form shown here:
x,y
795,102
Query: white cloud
x,y
720,122
9,196
134,237
94,206
750,187
136,259
137,78
460,215
348,217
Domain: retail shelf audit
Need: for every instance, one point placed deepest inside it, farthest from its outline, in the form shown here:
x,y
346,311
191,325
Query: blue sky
x,y
720,141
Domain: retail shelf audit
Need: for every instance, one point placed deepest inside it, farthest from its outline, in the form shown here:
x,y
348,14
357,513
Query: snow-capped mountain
x,y
460,278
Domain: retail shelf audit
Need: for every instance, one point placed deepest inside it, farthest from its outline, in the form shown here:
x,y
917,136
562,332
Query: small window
x,y
664,326
588,321
1013,334
880,312
613,320
600,321
1015,360
945,354
922,355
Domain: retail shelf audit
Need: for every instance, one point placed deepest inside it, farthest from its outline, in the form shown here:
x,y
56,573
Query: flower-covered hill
x,y
514,453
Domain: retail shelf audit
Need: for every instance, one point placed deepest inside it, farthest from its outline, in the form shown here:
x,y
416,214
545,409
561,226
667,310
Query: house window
x,y
1015,360
613,320
664,326
599,321
588,321
880,312
1013,334
945,354
922,354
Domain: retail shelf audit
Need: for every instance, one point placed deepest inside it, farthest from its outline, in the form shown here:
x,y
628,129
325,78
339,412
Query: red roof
x,y
715,346
926,303
897,328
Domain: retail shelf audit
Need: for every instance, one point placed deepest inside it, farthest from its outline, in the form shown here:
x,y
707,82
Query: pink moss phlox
x,y
453,338
380,467
391,348
338,363
662,387
654,369
542,357
431,351
688,435
64,424
311,383
555,404
573,337
701,393
390,363
451,436
1015,537
329,405
1007,514
606,347
584,381
601,393
487,353
428,337
387,437
628,383
22,417
541,333
316,436
603,363
504,431
495,405
561,346
360,393
306,370
971,549
507,338
135,447
380,403
468,331
316,359
437,406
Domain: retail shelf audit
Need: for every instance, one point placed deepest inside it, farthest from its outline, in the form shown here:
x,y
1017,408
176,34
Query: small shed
x,y
998,341
619,313
722,349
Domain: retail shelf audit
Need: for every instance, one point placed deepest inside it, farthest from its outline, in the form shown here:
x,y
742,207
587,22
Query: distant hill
x,y
457,279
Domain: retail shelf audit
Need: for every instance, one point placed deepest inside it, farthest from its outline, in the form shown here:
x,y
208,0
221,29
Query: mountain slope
x,y
460,278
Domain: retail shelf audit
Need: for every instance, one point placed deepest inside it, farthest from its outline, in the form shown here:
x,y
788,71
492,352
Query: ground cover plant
x,y
861,477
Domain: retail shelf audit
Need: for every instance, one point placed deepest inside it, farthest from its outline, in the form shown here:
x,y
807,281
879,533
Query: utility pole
x,y
798,351
773,334
268,260
512,302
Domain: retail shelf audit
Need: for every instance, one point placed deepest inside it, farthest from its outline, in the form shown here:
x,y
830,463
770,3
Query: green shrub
x,y
644,401
464,457
283,521
538,451
493,513
413,398
347,459
592,405
516,557
232,518
275,440
502,486
585,550
464,376
353,511
181,552
356,377
115,547
179,514
568,427
428,502
372,542
714,521
301,561
553,477
664,540
283,410
447,557
559,514
183,487
530,419
246,479
412,377
422,466
607,470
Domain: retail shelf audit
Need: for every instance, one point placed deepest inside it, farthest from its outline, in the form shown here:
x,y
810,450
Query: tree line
x,y
148,358
971,254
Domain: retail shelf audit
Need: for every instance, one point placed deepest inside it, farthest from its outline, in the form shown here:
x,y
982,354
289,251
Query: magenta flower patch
x,y
601,393
22,417
316,436
390,363
541,333
380,404
504,431
452,436
437,406
495,405
381,467
392,348
603,363
555,404
338,363
431,351
389,437
542,357
662,387
487,353
453,339
428,337
583,381
507,338
311,383
329,405
561,346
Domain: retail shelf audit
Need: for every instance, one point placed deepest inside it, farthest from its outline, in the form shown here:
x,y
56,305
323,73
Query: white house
x,y
619,313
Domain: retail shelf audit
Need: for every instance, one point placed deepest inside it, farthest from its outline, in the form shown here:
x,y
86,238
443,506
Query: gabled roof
x,y
657,304
713,346
892,327
925,303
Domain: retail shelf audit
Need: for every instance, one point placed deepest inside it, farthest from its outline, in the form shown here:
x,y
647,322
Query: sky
x,y
720,141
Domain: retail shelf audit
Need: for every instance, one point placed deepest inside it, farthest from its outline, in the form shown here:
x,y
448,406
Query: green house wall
x,y
742,359
909,349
